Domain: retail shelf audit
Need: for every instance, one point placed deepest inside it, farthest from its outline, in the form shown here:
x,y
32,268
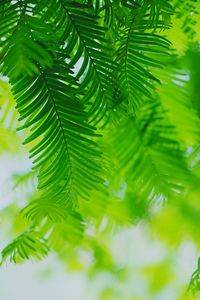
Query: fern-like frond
x,y
149,155
70,231
156,13
58,222
25,40
65,153
175,96
86,48
55,209
139,53
29,245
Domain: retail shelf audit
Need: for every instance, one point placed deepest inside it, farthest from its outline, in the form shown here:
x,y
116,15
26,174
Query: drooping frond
x,y
55,209
175,96
139,53
157,13
150,156
58,222
46,90
64,153
86,48
28,245
25,40
154,14
69,231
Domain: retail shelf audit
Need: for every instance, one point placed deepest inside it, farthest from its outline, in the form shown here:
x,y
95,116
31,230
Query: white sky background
x,y
28,282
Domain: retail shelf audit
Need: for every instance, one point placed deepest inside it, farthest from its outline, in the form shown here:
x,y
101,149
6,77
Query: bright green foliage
x,y
28,245
103,97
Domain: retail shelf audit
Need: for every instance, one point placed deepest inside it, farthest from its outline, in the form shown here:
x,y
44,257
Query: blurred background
x,y
146,261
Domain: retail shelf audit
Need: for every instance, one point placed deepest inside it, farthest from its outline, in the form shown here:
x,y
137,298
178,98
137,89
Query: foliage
x,y
107,106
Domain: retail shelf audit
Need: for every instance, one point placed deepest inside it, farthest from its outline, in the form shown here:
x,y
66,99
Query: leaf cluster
x,y
93,83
